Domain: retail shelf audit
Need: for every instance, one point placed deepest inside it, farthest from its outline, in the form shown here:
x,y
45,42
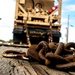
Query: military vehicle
x,y
37,20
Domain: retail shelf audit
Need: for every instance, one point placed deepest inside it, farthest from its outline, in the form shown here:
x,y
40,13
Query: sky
x,y
7,13
68,16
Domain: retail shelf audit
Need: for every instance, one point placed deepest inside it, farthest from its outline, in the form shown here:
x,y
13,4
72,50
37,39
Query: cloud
x,y
6,33
70,7
71,37
62,1
64,20
65,0
7,11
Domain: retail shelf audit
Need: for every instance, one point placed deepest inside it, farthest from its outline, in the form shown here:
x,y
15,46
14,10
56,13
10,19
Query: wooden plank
x,y
28,67
53,71
22,67
39,69
12,66
4,67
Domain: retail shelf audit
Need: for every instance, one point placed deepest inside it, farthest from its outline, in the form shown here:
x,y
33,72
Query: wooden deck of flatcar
x,y
12,66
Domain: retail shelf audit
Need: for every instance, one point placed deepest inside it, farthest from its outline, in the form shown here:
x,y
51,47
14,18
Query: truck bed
x,y
13,66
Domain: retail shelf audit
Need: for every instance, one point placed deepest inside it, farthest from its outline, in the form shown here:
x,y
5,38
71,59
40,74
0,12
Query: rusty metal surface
x,y
11,66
